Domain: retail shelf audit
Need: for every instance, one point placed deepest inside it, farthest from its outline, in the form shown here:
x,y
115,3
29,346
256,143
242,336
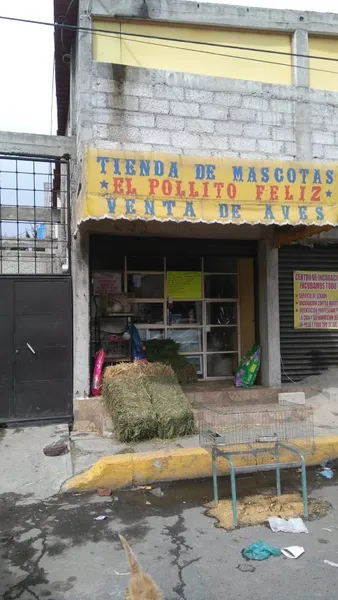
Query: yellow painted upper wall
x,y
188,57
323,47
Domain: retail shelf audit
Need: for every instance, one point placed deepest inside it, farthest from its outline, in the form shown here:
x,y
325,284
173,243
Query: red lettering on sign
x,y
259,191
179,192
231,191
192,192
316,189
117,181
288,195
274,192
302,193
219,186
167,187
206,189
153,185
130,189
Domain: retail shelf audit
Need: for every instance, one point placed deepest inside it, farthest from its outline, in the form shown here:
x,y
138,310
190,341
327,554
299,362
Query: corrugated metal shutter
x,y
304,353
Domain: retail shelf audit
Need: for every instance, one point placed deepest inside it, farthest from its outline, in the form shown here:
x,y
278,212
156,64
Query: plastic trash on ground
x,y
293,551
326,472
260,551
332,564
295,525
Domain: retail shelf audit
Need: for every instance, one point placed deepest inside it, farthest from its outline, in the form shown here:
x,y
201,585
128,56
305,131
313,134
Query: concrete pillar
x,y
301,79
269,313
81,325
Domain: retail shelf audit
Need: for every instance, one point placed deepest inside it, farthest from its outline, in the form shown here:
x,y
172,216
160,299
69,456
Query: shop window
x,y
197,361
220,286
221,365
184,263
185,313
151,334
148,313
146,286
145,263
222,339
221,313
220,264
190,340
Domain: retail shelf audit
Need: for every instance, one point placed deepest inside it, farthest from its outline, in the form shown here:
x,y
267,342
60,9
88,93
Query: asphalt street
x,y
55,549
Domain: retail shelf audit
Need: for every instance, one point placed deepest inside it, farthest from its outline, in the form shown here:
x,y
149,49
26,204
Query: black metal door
x,y
35,348
6,348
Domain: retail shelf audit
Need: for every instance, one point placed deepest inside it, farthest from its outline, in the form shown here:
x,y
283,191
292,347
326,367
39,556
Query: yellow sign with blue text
x,y
164,187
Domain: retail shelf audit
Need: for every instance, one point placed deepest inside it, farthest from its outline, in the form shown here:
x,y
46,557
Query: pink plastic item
x,y
97,374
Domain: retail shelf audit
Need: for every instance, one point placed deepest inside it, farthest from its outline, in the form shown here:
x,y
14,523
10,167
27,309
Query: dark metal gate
x,y
36,357
304,352
35,349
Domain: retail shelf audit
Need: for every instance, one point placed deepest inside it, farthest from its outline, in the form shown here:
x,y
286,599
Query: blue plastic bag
x,y
260,551
137,348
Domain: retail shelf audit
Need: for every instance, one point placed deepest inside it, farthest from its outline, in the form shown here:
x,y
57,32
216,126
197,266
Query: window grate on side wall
x,y
34,215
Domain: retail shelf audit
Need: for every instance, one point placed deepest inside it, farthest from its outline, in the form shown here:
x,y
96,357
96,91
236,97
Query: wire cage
x,y
283,433
237,429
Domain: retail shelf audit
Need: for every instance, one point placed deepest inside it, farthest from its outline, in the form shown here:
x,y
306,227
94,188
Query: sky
x,y
26,66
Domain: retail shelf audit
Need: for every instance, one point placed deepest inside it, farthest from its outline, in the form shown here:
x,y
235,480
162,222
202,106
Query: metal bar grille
x,y
34,215
304,352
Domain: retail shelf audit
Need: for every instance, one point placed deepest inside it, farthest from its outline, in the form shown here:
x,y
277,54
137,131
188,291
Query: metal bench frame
x,y
277,466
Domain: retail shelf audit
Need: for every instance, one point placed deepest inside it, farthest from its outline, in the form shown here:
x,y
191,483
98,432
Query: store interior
x,y
201,293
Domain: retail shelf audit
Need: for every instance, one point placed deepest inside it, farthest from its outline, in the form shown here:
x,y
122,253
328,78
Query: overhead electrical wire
x,y
123,37
99,31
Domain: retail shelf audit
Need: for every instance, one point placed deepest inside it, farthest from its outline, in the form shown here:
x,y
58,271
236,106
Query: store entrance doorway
x,y
203,300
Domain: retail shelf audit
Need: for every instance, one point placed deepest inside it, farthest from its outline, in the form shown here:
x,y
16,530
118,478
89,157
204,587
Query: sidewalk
x,y
102,462
26,473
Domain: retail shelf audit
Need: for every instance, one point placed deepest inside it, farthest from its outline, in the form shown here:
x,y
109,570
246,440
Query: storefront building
x,y
186,183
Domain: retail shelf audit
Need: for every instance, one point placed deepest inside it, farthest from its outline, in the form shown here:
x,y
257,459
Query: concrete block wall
x,y
191,114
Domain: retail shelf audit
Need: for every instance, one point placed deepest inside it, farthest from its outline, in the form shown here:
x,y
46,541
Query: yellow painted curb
x,y
123,470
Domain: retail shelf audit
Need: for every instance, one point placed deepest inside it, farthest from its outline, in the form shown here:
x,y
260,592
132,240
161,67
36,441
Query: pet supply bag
x,y
247,370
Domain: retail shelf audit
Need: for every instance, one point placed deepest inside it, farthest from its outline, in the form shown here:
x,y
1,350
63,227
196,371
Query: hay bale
x,y
256,509
137,370
128,403
145,401
174,413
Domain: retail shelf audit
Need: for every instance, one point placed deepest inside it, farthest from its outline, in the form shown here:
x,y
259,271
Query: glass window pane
x,y
181,313
220,264
222,339
221,365
197,361
183,263
221,313
146,286
151,334
145,263
190,340
145,312
220,286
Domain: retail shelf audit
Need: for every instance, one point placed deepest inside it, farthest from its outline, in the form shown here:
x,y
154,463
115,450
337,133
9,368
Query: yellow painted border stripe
x,y
192,463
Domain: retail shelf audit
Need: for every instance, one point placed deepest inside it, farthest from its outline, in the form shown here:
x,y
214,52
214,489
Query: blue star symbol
x,y
104,184
329,193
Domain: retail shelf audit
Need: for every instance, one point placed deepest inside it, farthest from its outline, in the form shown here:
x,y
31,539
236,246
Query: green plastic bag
x,y
260,551
248,368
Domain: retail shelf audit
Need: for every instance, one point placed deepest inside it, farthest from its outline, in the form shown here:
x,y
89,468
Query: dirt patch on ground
x,y
255,510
